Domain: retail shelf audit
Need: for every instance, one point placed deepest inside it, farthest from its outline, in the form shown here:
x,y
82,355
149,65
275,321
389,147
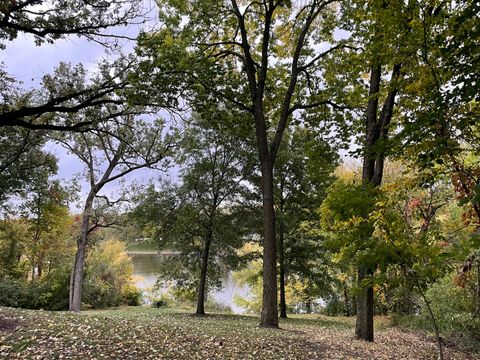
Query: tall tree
x,y
384,32
108,154
206,219
259,57
303,172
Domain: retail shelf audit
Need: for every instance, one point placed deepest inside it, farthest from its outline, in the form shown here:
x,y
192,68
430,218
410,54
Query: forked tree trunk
x,y
203,273
364,319
269,315
76,278
372,173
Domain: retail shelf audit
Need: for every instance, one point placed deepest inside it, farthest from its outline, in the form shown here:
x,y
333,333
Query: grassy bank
x,y
142,247
141,333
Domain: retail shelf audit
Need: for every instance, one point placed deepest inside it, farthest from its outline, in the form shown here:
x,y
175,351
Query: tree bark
x,y
364,323
76,278
269,315
281,252
346,298
203,273
372,173
364,319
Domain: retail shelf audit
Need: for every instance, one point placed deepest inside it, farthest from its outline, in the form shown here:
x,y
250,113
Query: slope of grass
x,y
141,333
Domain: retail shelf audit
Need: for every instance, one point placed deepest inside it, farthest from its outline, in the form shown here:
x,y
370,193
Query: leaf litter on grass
x,y
141,333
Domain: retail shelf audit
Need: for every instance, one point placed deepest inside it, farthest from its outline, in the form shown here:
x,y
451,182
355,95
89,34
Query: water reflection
x,y
146,269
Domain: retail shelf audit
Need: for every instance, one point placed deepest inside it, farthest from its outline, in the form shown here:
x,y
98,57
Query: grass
x,y
144,333
142,246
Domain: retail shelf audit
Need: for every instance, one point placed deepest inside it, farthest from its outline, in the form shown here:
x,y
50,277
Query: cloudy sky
x,y
28,63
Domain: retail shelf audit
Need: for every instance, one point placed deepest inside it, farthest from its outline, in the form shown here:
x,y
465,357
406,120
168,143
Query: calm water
x,y
146,268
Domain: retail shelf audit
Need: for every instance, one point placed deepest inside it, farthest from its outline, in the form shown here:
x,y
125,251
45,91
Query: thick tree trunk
x,y
76,278
364,311
281,254
364,323
281,251
269,316
203,274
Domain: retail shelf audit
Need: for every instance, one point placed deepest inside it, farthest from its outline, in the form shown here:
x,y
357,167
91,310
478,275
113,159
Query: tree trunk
x,y
281,250
346,298
76,278
364,323
364,319
281,254
308,306
203,273
269,316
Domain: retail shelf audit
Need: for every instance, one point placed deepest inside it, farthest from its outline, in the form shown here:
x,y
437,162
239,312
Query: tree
x,y
260,58
204,216
303,172
132,144
47,215
48,21
389,35
22,162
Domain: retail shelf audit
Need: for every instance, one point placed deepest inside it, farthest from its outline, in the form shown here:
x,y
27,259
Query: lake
x,y
146,269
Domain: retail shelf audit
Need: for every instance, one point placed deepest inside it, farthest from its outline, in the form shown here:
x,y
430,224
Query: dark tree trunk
x,y
308,306
269,316
346,298
281,251
76,279
364,323
376,131
203,273
478,282
364,319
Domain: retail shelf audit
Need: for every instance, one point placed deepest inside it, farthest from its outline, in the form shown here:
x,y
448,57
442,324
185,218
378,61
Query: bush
x,y
50,293
13,293
108,277
453,306
131,295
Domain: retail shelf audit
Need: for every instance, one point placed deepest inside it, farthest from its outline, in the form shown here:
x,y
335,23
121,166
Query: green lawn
x,y
142,246
143,333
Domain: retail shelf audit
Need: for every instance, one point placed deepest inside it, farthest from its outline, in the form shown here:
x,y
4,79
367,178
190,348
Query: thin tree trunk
x,y
269,315
346,298
76,278
203,273
308,306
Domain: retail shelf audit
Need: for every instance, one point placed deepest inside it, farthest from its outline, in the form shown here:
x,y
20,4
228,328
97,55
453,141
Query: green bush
x,y
13,292
108,277
131,295
452,306
50,293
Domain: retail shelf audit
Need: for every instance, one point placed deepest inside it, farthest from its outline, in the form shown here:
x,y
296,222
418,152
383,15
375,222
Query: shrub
x,y
131,295
452,306
13,292
108,277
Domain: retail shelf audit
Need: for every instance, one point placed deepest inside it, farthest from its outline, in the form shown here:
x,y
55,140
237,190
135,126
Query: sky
x,y
28,63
